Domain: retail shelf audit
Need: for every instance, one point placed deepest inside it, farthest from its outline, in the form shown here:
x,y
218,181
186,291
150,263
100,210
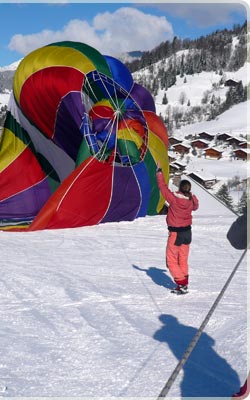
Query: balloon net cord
x,y
90,94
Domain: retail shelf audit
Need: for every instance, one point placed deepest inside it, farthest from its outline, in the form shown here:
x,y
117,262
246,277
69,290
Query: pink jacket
x,y
180,206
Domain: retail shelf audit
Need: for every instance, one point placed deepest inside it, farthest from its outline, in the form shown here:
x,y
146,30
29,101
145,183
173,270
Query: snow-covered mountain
x,y
130,56
11,67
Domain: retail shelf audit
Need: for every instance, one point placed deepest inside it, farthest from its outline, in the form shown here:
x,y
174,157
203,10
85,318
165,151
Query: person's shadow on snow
x,y
206,373
157,275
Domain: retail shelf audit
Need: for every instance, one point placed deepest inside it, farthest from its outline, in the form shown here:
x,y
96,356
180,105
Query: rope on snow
x,y
196,337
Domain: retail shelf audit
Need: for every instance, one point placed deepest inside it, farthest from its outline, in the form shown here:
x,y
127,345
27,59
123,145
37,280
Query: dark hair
x,y
183,183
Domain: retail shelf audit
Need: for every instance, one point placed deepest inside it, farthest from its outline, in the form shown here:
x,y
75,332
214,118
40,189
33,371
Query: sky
x,y
89,312
112,28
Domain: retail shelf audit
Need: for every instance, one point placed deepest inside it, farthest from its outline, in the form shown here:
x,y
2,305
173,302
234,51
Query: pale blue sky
x,y
113,27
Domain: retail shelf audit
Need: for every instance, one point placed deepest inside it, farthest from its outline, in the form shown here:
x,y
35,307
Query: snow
x,y
88,311
221,169
4,98
194,88
234,121
11,67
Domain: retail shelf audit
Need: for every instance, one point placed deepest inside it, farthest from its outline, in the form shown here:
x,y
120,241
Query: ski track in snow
x,y
88,311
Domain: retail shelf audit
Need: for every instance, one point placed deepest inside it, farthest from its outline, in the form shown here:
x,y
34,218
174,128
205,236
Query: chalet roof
x,y
234,138
175,138
207,133
174,165
231,80
201,140
245,142
247,151
187,146
224,134
215,149
182,164
203,175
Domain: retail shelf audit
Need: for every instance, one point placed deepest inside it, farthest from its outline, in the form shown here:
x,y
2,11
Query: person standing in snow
x,y
179,221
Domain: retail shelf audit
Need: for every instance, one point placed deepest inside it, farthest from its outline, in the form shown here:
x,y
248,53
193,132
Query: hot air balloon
x,y
80,142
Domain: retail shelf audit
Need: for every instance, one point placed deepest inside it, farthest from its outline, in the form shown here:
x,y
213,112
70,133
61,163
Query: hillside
x,y
186,98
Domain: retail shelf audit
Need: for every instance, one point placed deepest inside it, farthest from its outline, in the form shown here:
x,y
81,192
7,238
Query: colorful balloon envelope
x,y
80,142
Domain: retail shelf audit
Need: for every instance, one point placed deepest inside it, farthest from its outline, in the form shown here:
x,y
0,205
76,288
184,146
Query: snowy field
x,y
88,311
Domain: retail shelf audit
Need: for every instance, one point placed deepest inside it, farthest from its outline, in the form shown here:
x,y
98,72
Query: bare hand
x,y
158,169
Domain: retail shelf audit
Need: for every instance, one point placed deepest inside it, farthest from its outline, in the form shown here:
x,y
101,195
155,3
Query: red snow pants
x,y
177,260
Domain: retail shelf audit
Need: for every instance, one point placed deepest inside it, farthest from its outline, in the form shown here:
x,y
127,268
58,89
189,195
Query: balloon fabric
x,y
80,142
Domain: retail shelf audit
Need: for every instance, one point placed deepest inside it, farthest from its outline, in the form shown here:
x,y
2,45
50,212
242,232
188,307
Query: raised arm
x,y
165,191
195,202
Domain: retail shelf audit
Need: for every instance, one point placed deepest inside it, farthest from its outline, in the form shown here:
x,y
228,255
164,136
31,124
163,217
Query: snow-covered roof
x,y
174,165
207,133
215,149
203,175
182,144
234,138
182,164
247,151
201,140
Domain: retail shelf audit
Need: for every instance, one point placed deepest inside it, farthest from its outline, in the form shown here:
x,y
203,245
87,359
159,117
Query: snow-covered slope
x,y
88,311
194,87
234,121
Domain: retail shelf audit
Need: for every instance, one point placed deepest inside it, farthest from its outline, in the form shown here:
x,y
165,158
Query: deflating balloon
x,y
80,142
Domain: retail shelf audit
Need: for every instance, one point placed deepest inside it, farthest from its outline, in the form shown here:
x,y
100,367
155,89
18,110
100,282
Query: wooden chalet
x,y
223,137
205,180
242,154
231,83
181,165
173,168
181,148
171,158
233,141
173,140
244,145
200,143
213,153
206,136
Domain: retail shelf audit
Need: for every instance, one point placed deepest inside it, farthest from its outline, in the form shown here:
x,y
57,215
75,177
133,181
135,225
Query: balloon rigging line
x,y
88,91
88,88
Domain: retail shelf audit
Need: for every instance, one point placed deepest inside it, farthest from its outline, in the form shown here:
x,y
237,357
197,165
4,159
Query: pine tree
x,y
165,99
182,98
224,196
242,203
